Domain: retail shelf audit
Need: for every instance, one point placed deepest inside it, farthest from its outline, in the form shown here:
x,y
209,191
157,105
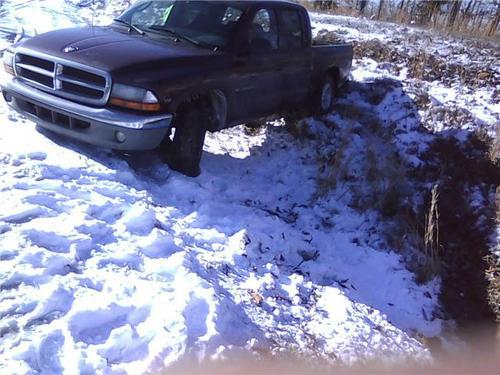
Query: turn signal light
x,y
147,107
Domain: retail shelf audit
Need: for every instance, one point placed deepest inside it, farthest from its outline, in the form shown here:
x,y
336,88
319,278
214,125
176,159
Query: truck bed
x,y
338,55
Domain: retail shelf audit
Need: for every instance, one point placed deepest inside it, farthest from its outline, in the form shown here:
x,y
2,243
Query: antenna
x,y
93,12
20,34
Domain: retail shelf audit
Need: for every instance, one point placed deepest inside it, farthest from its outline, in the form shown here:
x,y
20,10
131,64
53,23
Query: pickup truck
x,y
165,72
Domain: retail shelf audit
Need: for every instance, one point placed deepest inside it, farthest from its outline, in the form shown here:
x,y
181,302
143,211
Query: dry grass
x,y
461,28
493,277
386,176
494,152
425,66
332,170
422,65
431,236
493,263
464,172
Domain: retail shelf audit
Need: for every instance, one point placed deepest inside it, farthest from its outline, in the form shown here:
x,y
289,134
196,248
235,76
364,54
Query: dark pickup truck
x,y
165,72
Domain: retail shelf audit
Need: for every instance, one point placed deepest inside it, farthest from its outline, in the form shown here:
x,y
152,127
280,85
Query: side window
x,y
291,31
263,33
231,15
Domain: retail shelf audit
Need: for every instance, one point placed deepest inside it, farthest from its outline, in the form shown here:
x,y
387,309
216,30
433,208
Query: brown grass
x,y
333,169
461,28
431,236
470,283
494,152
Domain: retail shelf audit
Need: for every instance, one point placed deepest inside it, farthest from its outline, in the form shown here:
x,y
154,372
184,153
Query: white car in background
x,y
17,19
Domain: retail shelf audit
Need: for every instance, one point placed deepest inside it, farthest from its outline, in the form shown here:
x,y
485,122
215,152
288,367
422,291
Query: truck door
x,y
294,45
258,70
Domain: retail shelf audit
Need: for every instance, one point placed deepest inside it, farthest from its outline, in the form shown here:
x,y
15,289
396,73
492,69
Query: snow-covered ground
x,y
109,264
468,76
115,264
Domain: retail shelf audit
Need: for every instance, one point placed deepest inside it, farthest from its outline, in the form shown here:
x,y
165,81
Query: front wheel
x,y
183,151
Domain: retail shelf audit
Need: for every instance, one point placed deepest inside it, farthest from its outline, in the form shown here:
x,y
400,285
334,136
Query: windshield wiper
x,y
177,35
131,26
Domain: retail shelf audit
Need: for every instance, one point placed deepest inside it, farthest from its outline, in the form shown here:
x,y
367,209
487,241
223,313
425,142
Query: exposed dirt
x,y
467,179
466,171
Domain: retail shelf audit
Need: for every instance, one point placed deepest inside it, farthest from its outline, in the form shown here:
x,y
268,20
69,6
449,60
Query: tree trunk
x,y
454,13
380,8
362,6
494,22
466,16
435,7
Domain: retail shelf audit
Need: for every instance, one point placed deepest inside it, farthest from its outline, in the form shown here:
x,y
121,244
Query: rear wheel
x,y
183,147
325,97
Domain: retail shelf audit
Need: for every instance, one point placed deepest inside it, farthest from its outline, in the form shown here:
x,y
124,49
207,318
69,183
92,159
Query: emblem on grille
x,y
69,49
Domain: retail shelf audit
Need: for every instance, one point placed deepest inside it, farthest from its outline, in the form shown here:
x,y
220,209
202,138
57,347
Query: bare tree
x,y
380,8
325,4
425,12
492,28
475,17
455,8
362,6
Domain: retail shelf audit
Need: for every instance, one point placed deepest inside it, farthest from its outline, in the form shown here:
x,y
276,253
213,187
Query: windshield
x,y
208,23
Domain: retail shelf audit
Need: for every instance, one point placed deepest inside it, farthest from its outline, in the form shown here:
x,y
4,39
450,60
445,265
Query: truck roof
x,y
271,2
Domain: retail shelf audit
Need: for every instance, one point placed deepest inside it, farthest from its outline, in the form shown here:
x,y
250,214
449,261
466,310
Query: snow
x,y
118,266
115,264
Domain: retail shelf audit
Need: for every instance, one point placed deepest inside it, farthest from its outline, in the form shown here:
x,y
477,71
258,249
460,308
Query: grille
x,y
65,79
54,117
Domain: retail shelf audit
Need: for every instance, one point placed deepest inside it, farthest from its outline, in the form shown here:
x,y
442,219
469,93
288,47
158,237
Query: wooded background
x,y
472,17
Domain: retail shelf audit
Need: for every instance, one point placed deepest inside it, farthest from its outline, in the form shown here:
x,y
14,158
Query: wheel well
x,y
219,108
334,73
216,107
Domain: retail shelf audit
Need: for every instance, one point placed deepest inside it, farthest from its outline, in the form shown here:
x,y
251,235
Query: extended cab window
x,y
291,31
263,33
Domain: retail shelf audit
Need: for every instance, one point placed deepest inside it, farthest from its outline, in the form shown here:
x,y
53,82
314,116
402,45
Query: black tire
x,y
325,97
183,152
254,124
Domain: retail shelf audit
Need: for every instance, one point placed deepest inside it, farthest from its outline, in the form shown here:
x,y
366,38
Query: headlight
x,y
134,98
8,62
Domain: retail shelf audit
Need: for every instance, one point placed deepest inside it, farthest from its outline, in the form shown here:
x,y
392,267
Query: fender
x,y
218,103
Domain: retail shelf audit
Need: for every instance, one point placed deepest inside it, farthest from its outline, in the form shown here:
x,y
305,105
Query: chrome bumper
x,y
98,126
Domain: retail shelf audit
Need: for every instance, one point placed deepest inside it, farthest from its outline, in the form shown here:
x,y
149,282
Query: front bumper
x,y
104,127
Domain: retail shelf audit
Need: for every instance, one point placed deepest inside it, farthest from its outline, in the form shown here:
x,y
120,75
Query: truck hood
x,y
111,50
